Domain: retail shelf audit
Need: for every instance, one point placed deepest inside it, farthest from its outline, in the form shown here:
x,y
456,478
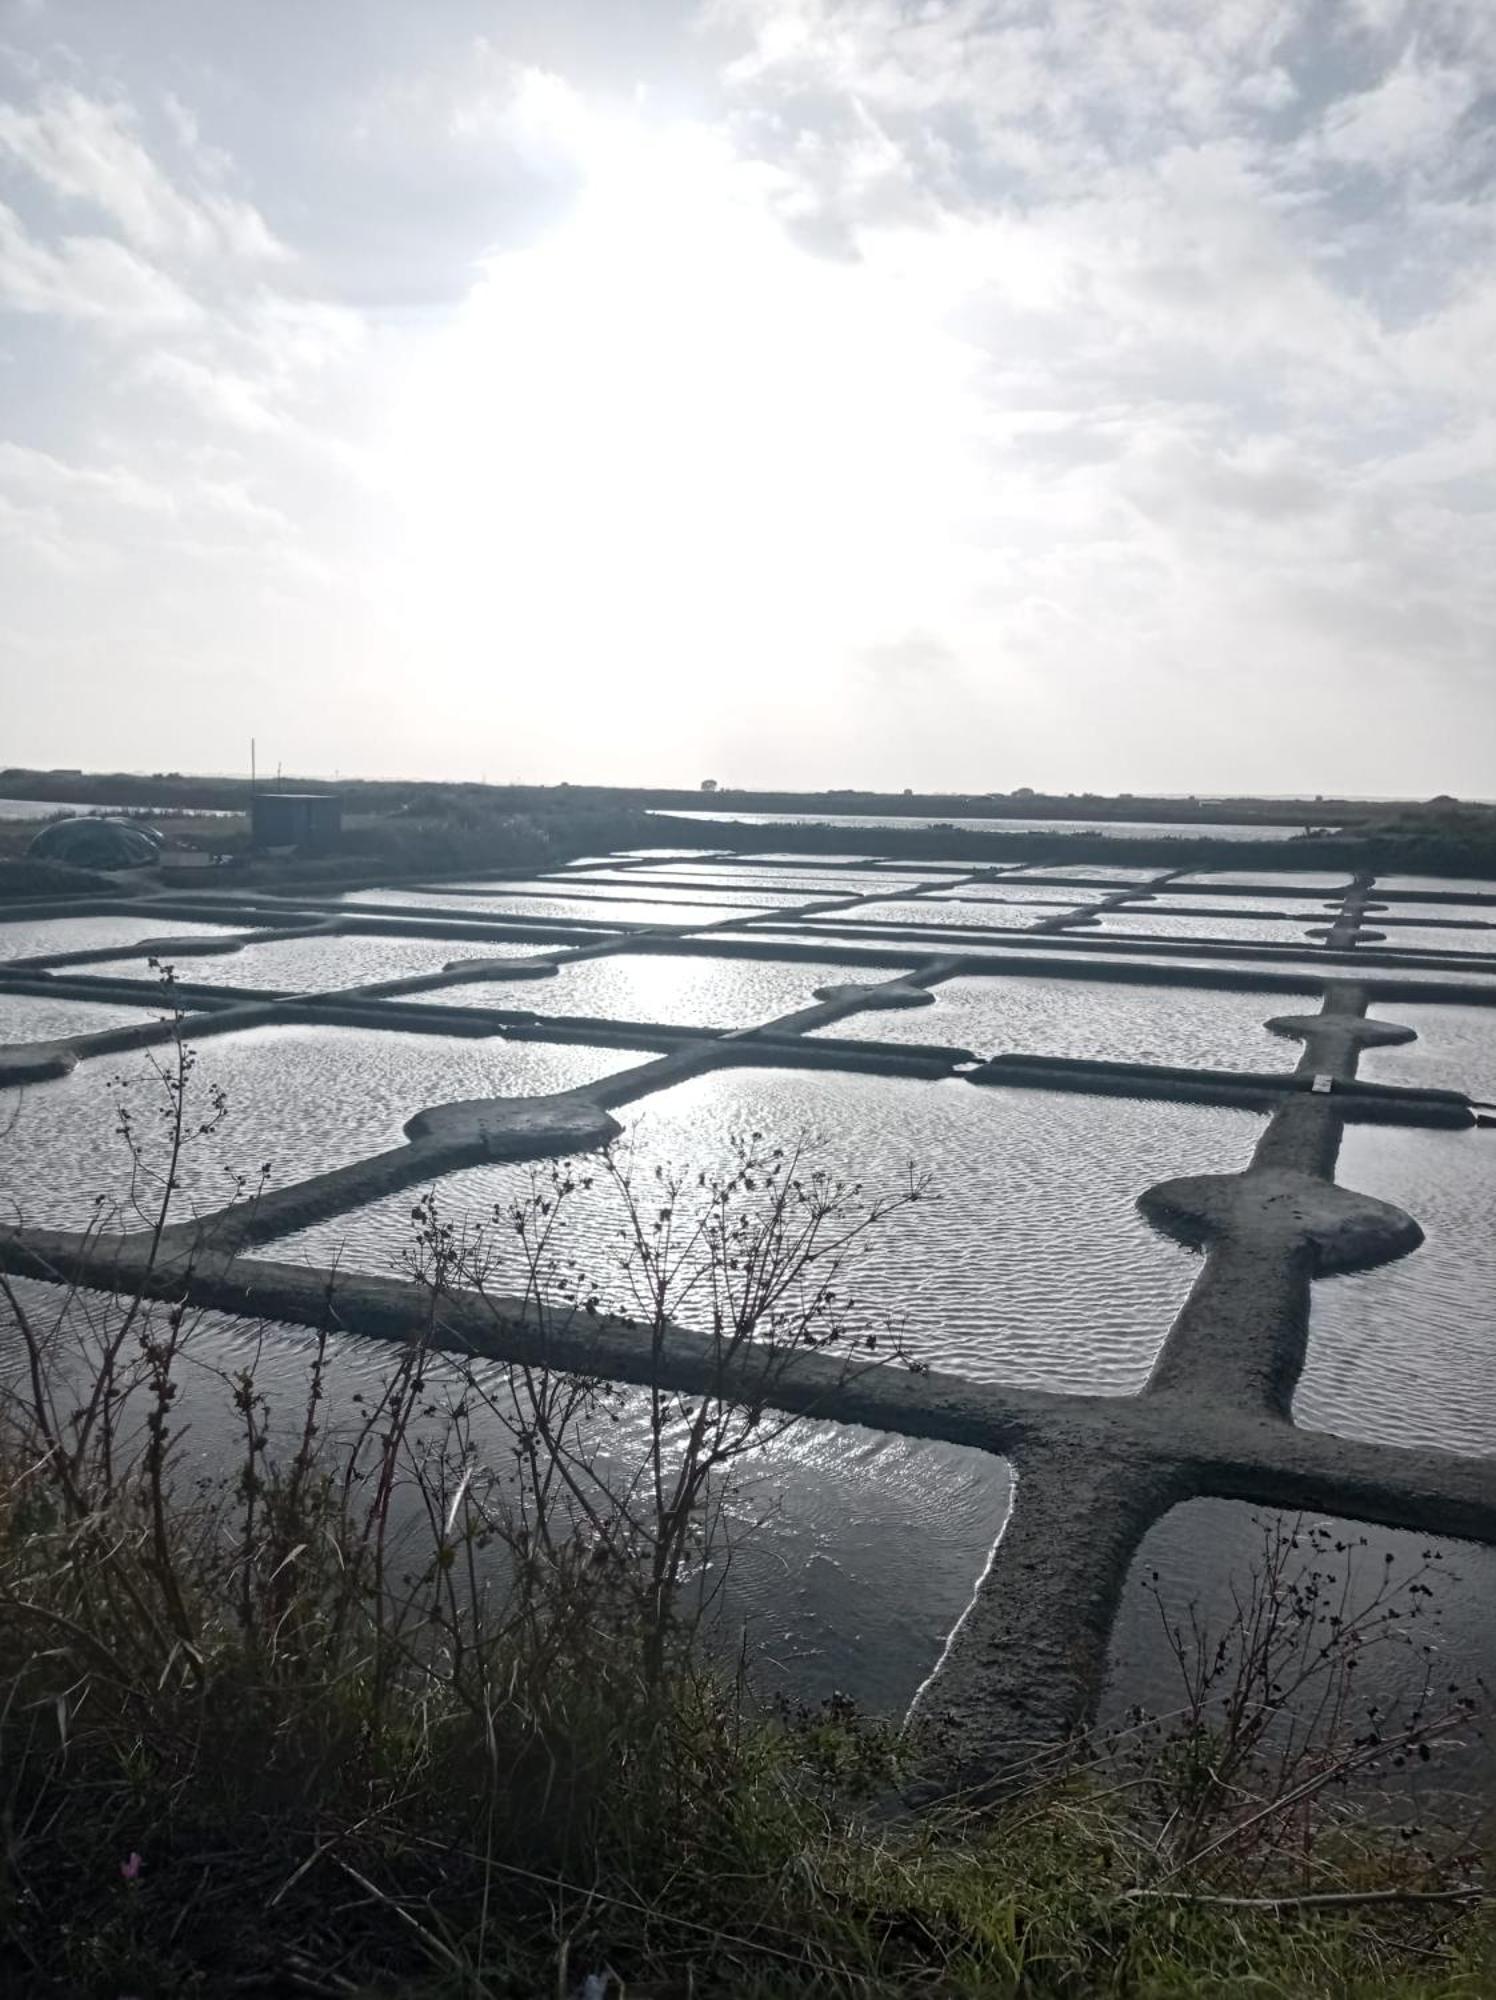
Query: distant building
x,y
709,784
296,819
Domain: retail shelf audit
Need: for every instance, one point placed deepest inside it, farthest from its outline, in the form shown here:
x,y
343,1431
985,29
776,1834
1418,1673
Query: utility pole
x,y
251,770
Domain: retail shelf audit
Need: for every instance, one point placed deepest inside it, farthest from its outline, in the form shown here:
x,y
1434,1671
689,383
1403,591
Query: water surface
x,y
1180,1025
1115,829
809,879
1268,879
328,964
1404,1354
299,1099
612,913
42,937
1049,896
1230,927
1032,1266
24,1018
681,990
1438,938
944,913
1421,885
1205,1549
1090,871
853,1551
1455,1049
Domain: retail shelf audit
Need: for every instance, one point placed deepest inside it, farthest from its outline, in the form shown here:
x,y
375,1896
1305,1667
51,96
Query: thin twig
x,y
1331,1899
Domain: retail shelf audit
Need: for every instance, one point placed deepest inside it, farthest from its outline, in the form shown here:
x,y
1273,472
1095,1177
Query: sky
x,y
1080,394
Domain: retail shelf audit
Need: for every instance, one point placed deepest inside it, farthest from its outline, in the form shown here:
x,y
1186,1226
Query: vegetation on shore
x,y
412,830
426,1693
452,831
23,880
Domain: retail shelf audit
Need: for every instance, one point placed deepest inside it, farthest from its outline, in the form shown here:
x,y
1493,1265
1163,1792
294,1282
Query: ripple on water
x,y
1033,1265
659,986
1384,911
603,912
25,1018
855,1551
303,1099
1231,929
1051,896
327,964
1455,1049
917,952
1432,937
1168,900
1424,885
1310,969
807,881
945,914
1089,871
1090,1018
39,937
618,893
1205,1548
1265,878
1403,1354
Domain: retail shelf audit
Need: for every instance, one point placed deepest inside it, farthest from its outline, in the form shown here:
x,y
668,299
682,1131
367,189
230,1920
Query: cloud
x,y
89,278
89,153
1078,388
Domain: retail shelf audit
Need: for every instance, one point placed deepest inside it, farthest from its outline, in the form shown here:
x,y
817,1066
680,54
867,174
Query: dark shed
x,y
296,819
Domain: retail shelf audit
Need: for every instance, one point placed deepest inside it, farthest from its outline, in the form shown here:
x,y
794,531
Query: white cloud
x,y
1408,117
89,152
91,278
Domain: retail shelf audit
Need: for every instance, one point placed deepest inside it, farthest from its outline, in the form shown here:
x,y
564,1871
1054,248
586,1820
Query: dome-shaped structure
x,y
97,843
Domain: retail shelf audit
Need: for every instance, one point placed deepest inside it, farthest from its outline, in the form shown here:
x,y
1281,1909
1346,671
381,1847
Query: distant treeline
x,y
1467,852
410,827
186,790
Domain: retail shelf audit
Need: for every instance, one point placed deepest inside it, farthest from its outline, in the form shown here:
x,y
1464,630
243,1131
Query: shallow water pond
x,y
1230,928
946,914
1404,1354
1048,896
1431,937
1424,885
300,1099
1031,1264
599,912
1205,1549
1266,879
853,1551
1455,1049
1478,916
660,986
1089,871
43,937
918,951
328,964
1180,1025
803,883
1167,902
642,888
25,1018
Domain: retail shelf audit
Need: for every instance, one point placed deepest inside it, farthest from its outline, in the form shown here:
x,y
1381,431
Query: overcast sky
x,y
1072,393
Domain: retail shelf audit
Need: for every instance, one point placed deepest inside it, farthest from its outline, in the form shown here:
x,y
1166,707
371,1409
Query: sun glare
x,y
666,439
